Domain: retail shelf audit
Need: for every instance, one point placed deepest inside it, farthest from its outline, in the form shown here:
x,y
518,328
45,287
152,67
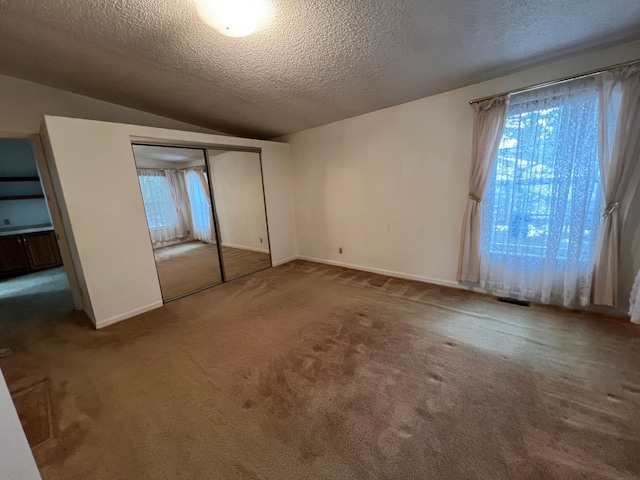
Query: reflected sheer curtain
x,y
619,154
199,198
160,207
488,123
180,195
544,200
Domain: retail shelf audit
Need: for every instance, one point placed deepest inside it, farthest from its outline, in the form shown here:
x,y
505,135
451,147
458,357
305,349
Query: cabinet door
x,y
13,257
42,249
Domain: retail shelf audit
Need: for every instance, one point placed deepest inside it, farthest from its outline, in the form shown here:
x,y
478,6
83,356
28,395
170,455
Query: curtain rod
x,y
555,82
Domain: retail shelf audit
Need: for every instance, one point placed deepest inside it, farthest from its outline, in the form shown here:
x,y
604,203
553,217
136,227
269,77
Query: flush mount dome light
x,y
233,18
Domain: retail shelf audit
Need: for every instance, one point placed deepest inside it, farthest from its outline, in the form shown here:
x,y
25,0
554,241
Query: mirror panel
x,y
239,205
176,195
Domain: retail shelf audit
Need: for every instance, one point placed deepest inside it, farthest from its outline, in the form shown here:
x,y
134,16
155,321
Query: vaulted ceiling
x,y
316,62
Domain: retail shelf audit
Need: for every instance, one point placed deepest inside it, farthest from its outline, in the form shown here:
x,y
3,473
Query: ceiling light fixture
x,y
233,18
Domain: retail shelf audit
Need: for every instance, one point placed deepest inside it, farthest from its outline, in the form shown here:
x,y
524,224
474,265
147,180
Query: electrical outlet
x,y
7,221
340,249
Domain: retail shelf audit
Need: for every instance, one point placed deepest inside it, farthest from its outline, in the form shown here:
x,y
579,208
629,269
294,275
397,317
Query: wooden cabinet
x,y
29,252
13,257
42,250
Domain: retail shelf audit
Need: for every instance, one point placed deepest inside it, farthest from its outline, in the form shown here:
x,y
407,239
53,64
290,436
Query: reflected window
x,y
159,204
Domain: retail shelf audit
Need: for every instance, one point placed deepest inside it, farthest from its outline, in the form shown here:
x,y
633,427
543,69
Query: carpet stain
x,y
245,473
33,405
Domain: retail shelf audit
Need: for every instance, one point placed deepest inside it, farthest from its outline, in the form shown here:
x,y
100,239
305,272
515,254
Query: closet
x,y
205,212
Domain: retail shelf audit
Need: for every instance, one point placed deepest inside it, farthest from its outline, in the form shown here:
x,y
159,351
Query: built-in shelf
x,y
19,179
22,197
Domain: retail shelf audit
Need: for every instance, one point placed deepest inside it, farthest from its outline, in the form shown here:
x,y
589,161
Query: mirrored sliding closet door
x,y
174,182
238,194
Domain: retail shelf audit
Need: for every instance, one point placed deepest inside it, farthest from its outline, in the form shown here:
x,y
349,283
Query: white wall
x,y
23,104
390,187
97,187
237,186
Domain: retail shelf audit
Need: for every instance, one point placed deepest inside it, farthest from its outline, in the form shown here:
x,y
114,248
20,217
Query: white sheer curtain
x,y
199,198
160,207
488,123
619,155
544,200
178,187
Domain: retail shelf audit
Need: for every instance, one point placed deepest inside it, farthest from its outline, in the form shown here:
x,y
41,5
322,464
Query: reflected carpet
x,y
191,266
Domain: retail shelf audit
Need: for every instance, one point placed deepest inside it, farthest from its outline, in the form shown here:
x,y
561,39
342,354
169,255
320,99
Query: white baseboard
x,y
124,316
242,247
449,283
389,273
285,260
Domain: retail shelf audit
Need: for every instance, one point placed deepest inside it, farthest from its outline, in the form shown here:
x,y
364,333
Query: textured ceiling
x,y
316,62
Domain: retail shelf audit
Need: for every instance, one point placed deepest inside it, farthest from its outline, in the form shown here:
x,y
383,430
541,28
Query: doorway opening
x,y
33,284
206,214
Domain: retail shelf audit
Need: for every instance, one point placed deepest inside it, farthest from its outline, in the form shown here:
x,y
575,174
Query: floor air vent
x,y
513,301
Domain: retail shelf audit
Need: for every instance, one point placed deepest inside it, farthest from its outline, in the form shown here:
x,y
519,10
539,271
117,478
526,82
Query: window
x,y
541,211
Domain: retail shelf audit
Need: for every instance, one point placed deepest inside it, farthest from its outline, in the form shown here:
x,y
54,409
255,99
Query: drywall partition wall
x,y
25,103
68,247
97,178
65,239
390,187
237,186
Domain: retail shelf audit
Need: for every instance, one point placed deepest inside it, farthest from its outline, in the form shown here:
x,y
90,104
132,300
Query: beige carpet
x,y
317,372
191,266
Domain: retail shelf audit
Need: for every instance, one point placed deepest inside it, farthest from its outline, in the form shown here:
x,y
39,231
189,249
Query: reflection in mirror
x,y
239,204
176,195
